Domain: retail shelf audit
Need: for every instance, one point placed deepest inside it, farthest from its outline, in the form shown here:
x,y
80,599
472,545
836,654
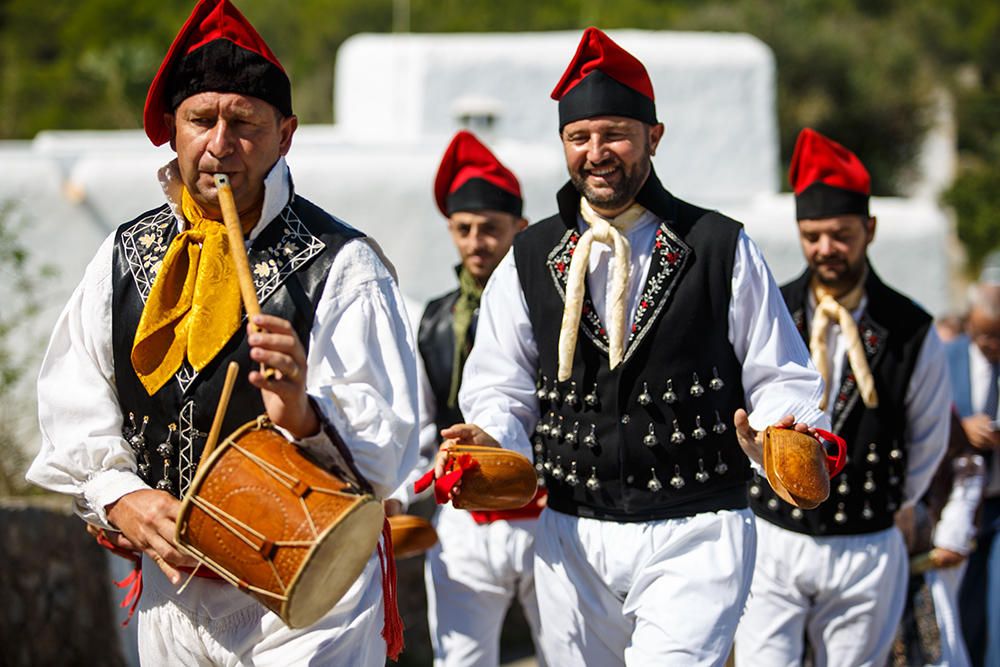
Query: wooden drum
x,y
273,523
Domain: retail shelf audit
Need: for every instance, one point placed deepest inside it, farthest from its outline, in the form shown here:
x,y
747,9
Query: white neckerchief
x,y
610,232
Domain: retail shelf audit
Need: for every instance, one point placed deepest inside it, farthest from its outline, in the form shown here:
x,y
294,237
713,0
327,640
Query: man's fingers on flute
x,y
272,324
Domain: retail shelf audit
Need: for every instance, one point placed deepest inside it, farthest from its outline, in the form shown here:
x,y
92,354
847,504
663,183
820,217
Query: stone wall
x,y
56,607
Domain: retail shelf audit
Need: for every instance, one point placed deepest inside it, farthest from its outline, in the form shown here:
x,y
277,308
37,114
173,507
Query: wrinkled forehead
x,y
231,104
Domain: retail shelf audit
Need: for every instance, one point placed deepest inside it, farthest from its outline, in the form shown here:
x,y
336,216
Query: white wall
x,y
714,92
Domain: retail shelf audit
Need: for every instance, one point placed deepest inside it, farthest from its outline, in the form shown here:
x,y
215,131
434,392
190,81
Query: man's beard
x,y
622,194
843,281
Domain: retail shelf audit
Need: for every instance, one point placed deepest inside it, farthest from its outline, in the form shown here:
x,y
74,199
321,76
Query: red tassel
x,y
134,583
392,623
456,467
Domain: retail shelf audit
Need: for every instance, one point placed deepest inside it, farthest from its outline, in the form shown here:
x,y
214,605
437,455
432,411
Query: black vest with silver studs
x,y
289,261
653,438
864,496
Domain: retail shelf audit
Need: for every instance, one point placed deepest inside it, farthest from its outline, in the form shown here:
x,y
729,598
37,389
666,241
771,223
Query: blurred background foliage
x,y
868,73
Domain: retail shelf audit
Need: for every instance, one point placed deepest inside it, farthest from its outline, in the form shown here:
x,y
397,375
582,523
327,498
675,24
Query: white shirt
x,y
927,403
498,385
980,374
360,318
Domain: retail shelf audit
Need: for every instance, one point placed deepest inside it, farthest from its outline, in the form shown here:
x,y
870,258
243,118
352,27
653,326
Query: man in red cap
x,y
837,575
483,559
136,363
635,408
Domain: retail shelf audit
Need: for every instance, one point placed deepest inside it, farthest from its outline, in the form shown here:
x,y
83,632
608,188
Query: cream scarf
x,y
828,310
610,232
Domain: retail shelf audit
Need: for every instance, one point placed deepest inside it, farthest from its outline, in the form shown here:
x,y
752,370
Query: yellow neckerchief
x,y
193,308
611,232
828,310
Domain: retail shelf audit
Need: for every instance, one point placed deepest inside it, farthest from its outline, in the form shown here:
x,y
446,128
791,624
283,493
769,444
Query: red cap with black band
x,y
603,79
216,50
471,178
828,179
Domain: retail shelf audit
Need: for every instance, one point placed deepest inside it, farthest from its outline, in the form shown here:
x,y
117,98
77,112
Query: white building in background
x,y
398,100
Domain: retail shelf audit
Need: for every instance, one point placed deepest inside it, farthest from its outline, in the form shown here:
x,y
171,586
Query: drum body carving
x,y
273,523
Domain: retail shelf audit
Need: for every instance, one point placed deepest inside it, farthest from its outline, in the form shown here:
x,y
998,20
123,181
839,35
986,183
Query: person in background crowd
x,y
974,362
483,559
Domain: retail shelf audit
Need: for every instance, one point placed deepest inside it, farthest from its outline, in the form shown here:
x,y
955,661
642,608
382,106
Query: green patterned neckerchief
x,y
465,307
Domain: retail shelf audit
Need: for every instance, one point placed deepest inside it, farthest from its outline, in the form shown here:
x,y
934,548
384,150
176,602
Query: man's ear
x,y
287,128
171,122
871,228
655,134
521,224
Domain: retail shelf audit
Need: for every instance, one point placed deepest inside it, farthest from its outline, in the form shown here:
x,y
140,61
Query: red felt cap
x,y
819,159
828,179
216,50
604,79
471,178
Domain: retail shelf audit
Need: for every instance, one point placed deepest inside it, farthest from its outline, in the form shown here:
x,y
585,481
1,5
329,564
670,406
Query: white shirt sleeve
x,y
83,454
957,525
429,439
362,368
778,376
928,417
498,384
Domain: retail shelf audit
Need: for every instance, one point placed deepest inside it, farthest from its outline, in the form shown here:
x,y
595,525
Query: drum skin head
x,y
795,465
333,565
503,480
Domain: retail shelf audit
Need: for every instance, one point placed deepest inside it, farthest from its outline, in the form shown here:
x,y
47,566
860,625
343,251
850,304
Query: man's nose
x,y
825,245
220,143
596,149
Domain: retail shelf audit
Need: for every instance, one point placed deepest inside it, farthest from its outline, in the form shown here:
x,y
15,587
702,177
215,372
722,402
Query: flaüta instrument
x,y
238,251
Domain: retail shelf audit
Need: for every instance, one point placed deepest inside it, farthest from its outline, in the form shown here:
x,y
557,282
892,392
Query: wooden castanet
x,y
499,480
798,467
272,522
411,535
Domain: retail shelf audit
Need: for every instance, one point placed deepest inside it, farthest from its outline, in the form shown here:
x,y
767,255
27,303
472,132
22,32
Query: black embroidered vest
x,y
653,438
865,495
436,342
289,261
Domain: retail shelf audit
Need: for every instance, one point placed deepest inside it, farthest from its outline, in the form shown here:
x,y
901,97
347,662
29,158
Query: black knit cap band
x,y
478,194
223,67
601,95
820,201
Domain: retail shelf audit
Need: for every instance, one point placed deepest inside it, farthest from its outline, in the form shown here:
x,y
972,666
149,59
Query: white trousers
x,y
846,593
213,623
944,585
653,593
472,575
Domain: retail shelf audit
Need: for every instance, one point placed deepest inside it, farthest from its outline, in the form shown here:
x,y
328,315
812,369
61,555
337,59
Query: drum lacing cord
x,y
392,623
